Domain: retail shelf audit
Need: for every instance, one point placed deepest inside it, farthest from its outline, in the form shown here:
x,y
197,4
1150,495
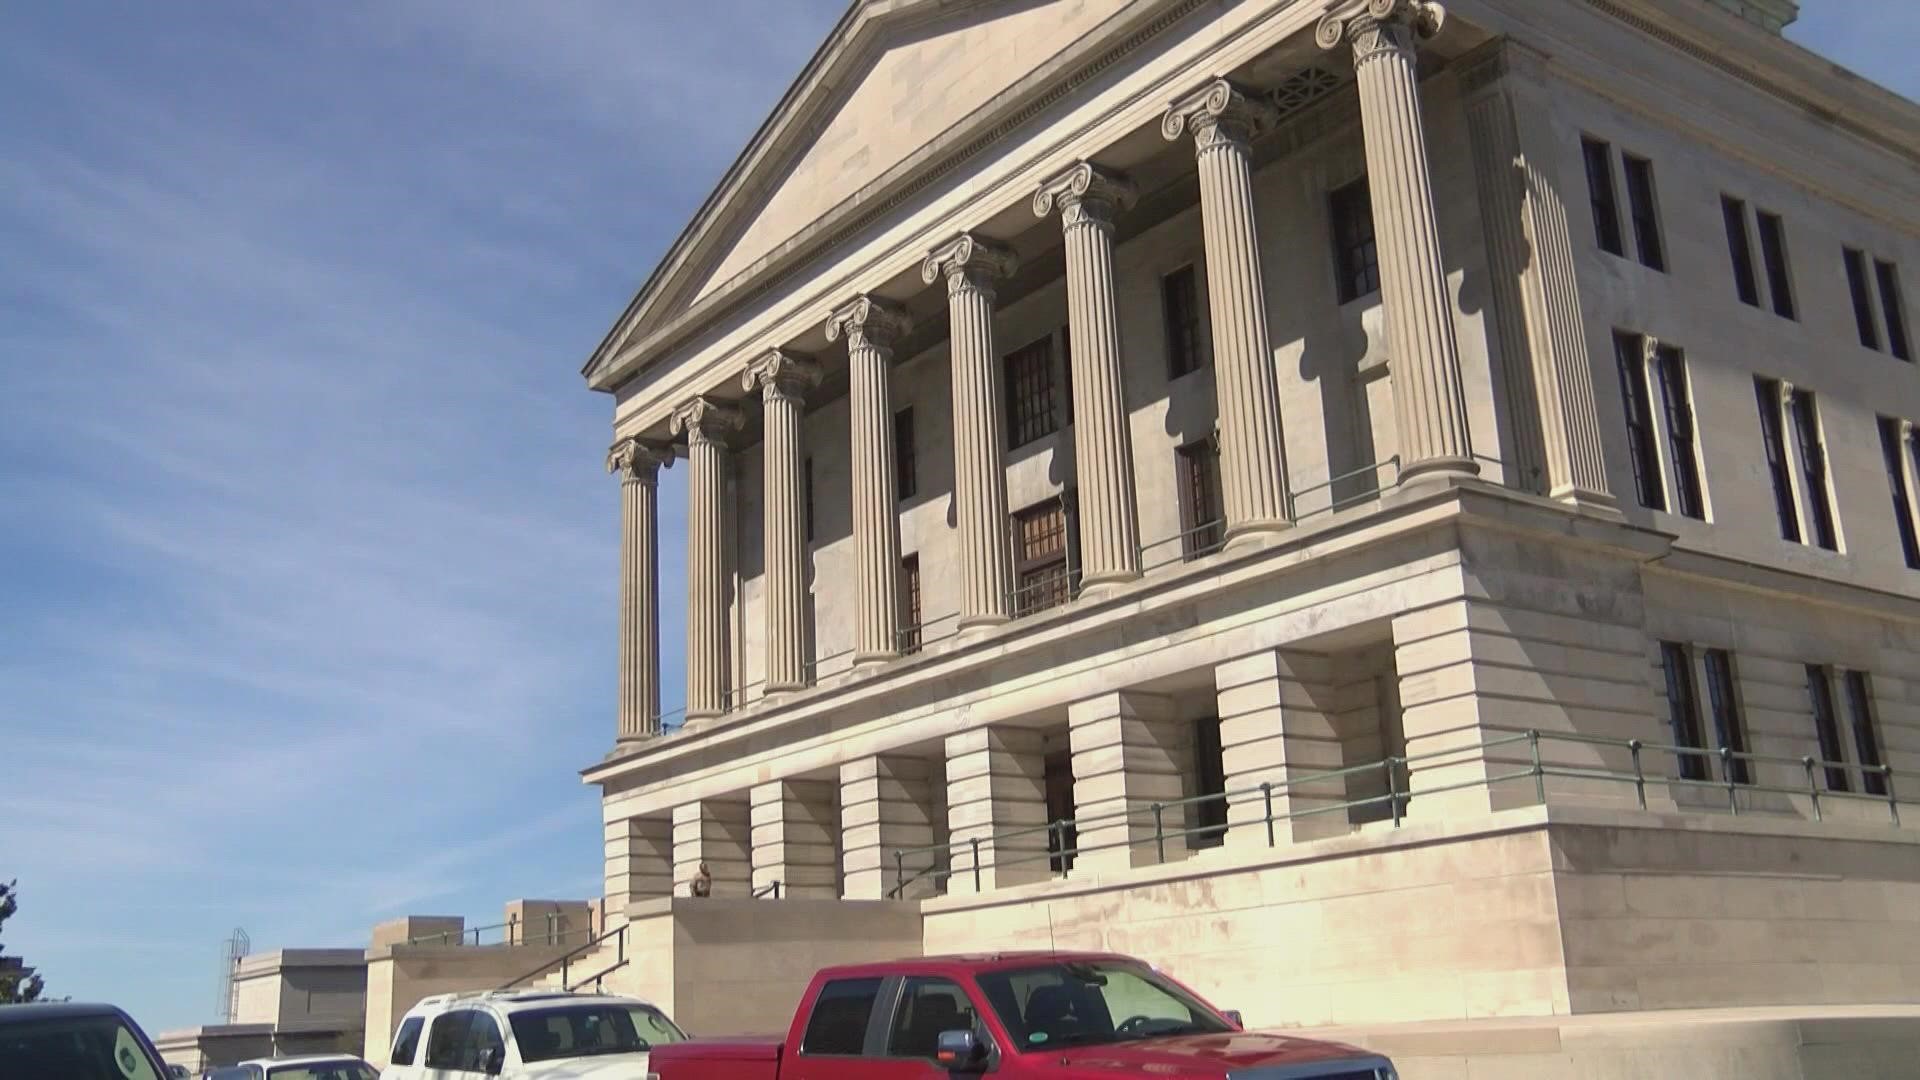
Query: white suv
x,y
527,1035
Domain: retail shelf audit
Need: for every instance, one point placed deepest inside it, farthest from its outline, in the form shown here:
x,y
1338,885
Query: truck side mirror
x,y
960,1051
1233,1016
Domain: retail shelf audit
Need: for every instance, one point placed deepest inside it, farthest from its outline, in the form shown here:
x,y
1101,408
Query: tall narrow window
x,y
1630,352
1862,297
1202,527
1683,456
806,483
910,617
1066,376
1606,204
1646,214
1728,730
1210,779
1683,709
1029,387
906,463
1826,727
1813,469
1893,307
1356,259
1772,435
1773,248
1897,484
1740,246
1040,558
1180,307
1866,737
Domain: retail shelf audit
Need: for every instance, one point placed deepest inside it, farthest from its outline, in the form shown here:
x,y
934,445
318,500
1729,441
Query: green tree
x,y
18,983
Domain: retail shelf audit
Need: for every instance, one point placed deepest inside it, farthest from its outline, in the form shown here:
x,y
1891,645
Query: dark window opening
x,y
1606,203
1773,248
1772,435
1866,739
1202,524
910,638
1862,299
906,464
1813,469
1629,351
838,1025
1740,246
1671,366
1210,783
1186,336
1683,709
1826,727
1893,307
1646,214
1356,257
1030,393
1897,485
1063,837
1041,579
1728,731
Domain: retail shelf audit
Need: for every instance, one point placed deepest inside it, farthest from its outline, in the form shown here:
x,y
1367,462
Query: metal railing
x,y
770,890
1164,824
565,962
1336,504
1212,536
511,932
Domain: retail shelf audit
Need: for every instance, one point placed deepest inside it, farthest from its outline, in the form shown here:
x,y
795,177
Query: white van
x,y
527,1035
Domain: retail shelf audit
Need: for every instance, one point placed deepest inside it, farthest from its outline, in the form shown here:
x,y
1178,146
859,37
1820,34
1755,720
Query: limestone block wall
x,y
1728,912
1426,925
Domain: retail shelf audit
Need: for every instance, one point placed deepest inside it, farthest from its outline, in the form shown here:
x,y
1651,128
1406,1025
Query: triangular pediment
x,y
895,76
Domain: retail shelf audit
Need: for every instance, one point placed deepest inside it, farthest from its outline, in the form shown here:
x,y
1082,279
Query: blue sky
x,y
307,557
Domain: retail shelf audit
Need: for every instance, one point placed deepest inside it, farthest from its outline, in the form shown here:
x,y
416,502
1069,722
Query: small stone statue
x,y
702,882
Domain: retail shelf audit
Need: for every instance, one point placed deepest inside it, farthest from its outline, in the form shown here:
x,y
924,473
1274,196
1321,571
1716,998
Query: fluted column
x,y
707,425
1253,461
871,326
638,465
1430,404
783,380
970,265
1088,198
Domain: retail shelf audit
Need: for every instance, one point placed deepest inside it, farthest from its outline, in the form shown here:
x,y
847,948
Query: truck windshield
x,y
571,1031
1092,1004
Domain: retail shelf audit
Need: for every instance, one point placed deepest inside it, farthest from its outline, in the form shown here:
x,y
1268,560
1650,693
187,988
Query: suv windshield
x,y
570,1031
1093,1004
345,1069
73,1048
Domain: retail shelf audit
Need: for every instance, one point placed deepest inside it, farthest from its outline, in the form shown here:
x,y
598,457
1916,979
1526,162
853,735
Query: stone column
x,y
1430,404
1088,198
719,833
891,803
639,862
996,784
1277,727
707,425
1129,752
638,464
871,326
796,839
970,265
783,379
1253,460
1541,327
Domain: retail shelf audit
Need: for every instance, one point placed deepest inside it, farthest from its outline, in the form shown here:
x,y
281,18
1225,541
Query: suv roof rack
x,y
502,995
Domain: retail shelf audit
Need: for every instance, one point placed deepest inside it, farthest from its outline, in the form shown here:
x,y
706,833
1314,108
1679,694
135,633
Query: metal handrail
x,y
941,861
513,936
565,960
770,889
1293,496
1217,526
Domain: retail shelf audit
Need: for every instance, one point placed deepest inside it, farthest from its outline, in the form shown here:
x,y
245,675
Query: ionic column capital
x,y
780,375
1218,113
638,460
1086,195
1377,27
969,262
705,421
868,322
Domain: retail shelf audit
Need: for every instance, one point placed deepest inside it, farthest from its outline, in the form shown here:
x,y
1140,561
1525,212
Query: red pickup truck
x,y
1017,1016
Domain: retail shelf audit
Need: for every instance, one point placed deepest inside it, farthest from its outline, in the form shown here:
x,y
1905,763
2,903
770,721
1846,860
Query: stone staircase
x,y
604,959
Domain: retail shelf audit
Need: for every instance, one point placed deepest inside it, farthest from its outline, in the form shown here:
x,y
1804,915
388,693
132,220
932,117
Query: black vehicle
x,y
67,1041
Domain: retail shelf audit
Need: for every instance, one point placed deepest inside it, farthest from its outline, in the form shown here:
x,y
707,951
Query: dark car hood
x,y
1240,1055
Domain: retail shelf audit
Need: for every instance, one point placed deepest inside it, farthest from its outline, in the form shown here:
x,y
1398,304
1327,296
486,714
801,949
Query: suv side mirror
x,y
1233,1015
960,1051
491,1059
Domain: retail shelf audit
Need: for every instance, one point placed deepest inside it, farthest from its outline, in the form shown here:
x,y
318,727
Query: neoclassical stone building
x,y
1398,513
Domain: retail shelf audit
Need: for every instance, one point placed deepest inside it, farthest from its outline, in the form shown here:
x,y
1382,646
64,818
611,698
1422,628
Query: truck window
x,y
928,1006
839,1021
407,1042
445,1038
482,1035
